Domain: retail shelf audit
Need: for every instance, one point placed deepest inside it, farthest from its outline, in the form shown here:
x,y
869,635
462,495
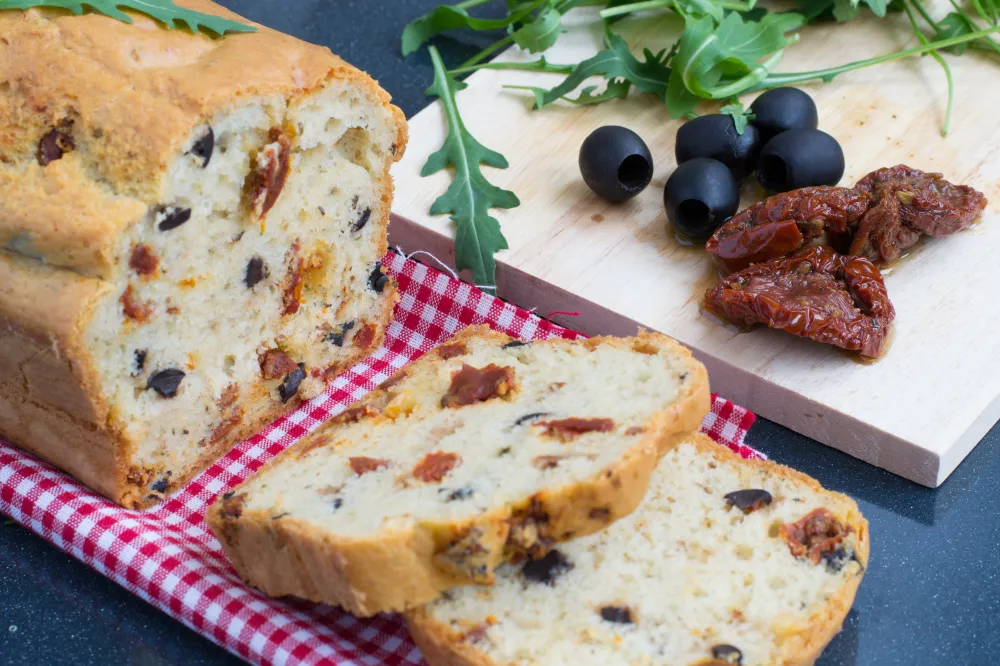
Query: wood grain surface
x,y
916,412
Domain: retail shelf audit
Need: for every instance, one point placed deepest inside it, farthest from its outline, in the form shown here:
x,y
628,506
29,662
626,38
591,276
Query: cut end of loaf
x,y
484,450
251,283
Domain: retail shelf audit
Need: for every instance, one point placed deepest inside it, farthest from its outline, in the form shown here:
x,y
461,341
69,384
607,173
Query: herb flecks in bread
x,y
688,579
448,470
179,238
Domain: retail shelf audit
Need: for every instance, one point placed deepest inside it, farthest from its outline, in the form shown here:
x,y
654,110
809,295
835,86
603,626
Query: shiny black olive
x,y
699,196
615,163
783,109
715,136
166,382
800,158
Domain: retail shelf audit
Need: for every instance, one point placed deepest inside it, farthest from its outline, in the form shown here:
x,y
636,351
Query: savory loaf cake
x,y
190,235
725,562
483,450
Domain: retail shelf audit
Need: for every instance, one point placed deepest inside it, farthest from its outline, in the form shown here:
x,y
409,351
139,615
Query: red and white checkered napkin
x,y
168,557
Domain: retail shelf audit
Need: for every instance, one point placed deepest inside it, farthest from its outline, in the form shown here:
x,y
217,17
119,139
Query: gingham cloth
x,y
167,555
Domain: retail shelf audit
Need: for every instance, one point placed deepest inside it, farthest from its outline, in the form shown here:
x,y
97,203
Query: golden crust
x,y
398,570
134,95
802,645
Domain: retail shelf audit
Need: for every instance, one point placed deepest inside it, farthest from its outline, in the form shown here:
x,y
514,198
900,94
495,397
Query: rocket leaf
x,y
615,62
716,62
452,17
164,11
470,196
539,34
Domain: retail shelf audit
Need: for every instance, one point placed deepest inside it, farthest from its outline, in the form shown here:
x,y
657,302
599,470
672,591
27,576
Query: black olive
x,y
337,337
715,136
617,614
362,220
727,654
166,382
290,387
800,158
203,148
171,217
748,500
256,271
55,143
377,279
546,569
140,360
615,163
700,195
527,418
783,109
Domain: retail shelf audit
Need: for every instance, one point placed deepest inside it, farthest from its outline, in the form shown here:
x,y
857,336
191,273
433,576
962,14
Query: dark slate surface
x,y
931,595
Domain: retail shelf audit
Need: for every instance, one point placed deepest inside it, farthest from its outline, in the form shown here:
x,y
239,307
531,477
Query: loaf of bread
x,y
190,235
483,450
725,562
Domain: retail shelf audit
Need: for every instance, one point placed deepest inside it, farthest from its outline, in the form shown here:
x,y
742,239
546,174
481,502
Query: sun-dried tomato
x,y
275,364
815,536
354,414
815,294
928,203
270,173
882,235
784,223
144,260
361,465
567,429
134,308
470,385
291,297
435,466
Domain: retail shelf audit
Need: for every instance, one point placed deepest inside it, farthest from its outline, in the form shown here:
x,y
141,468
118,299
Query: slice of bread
x,y
726,562
483,450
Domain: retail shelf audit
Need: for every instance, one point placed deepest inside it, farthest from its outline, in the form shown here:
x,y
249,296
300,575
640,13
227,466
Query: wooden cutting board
x,y
918,411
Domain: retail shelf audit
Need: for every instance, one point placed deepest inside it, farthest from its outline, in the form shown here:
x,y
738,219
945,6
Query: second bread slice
x,y
485,449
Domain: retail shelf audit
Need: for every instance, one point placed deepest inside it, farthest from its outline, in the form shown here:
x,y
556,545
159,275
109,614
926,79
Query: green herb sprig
x,y
164,11
468,200
726,48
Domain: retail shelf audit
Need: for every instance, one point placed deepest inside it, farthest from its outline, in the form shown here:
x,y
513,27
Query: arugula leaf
x,y
540,33
845,10
164,11
718,62
615,62
470,196
616,89
839,10
680,101
452,17
955,24
740,115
